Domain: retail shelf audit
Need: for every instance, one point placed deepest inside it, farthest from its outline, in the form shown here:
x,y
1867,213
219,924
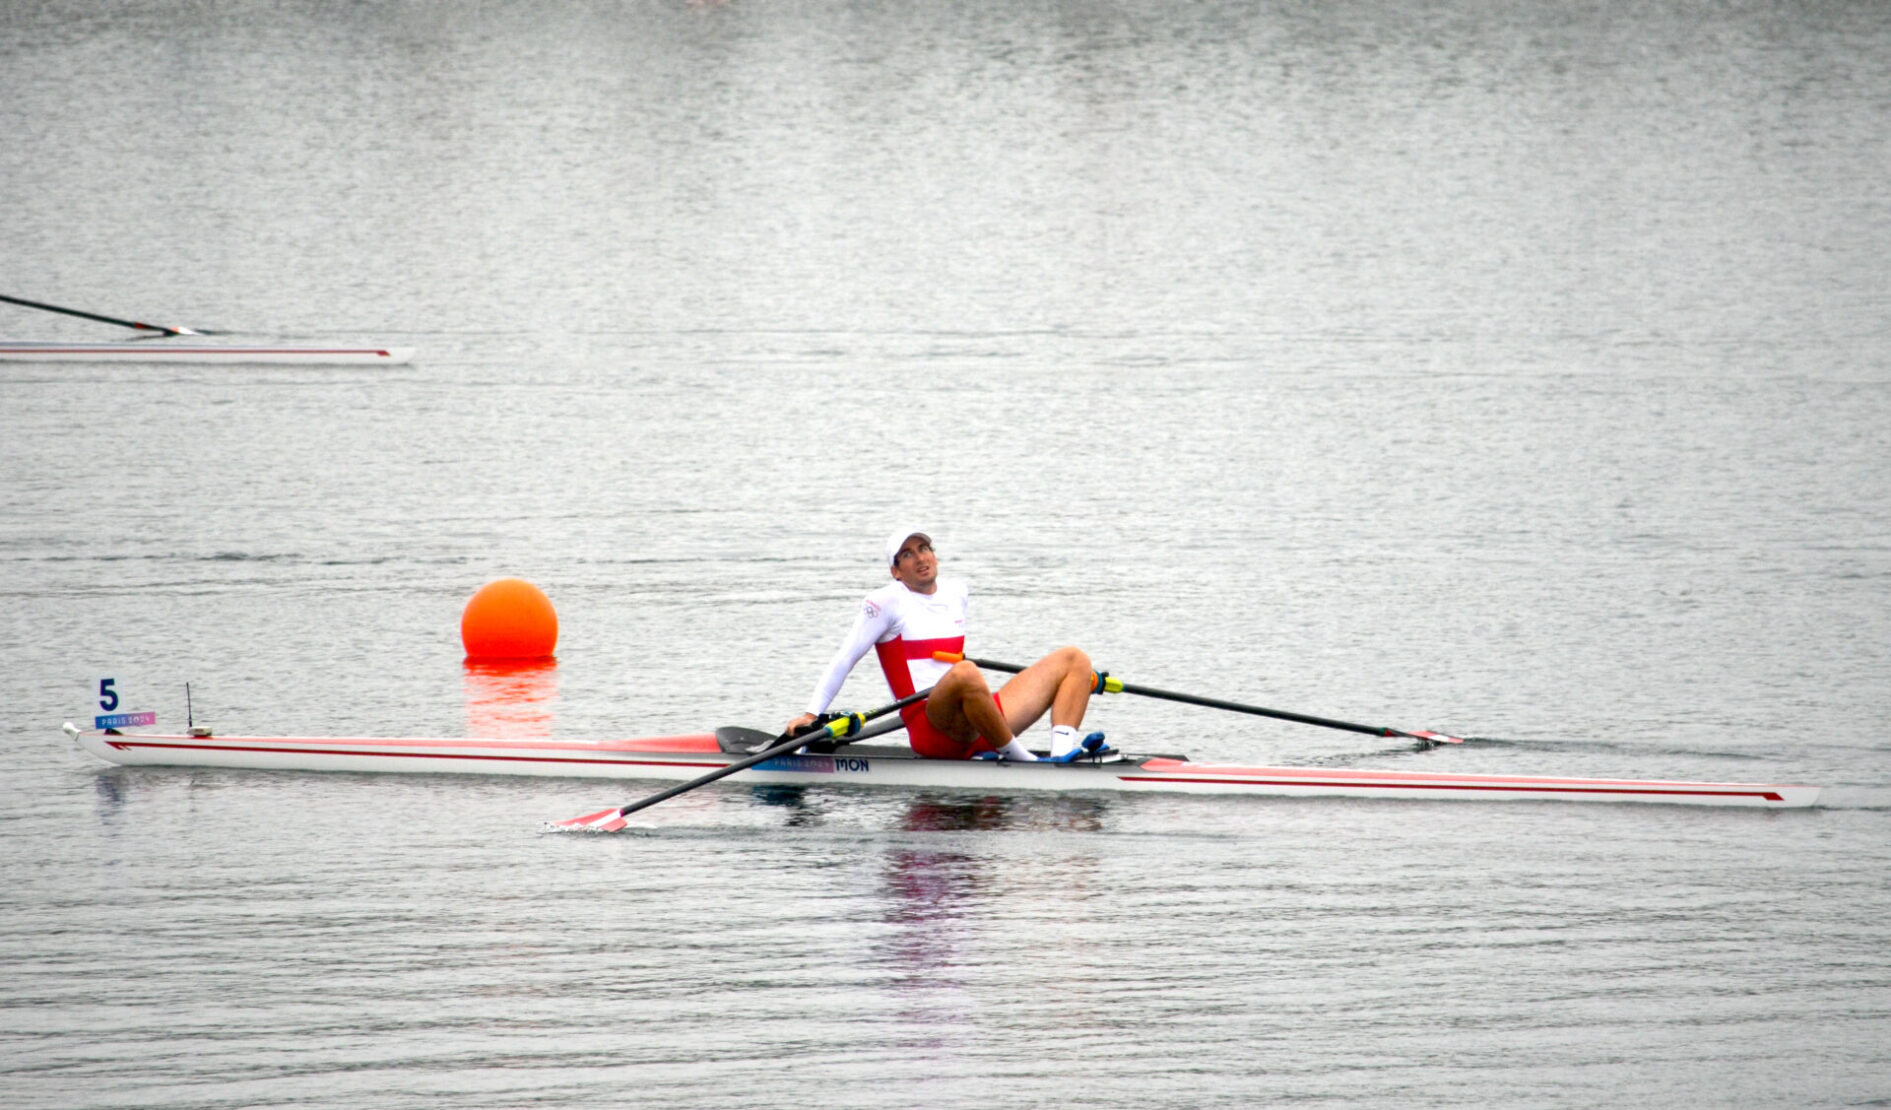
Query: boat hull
x,y
686,757
202,353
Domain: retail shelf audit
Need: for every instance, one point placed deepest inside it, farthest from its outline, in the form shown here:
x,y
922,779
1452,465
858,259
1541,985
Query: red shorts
x,y
929,743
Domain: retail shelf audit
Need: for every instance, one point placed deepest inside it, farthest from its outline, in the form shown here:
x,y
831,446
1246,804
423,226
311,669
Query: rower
x,y
919,613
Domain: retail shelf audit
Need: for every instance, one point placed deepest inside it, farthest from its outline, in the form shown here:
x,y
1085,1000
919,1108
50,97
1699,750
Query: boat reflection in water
x,y
944,900
792,798
110,787
511,700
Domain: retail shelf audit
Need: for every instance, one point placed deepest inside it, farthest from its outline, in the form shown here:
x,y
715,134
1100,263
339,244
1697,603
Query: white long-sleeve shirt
x,y
904,628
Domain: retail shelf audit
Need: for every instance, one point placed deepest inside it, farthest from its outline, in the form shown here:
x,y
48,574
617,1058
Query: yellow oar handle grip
x,y
840,728
949,656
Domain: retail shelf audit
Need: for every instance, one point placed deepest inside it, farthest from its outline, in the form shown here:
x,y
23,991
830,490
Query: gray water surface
x,y
1520,372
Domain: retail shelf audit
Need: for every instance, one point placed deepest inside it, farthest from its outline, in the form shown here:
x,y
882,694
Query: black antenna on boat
x,y
190,717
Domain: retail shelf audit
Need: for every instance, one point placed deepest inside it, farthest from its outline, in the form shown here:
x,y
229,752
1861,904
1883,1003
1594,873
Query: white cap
x,y
898,540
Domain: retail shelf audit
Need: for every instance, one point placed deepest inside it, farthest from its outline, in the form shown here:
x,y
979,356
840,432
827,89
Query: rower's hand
x,y
799,725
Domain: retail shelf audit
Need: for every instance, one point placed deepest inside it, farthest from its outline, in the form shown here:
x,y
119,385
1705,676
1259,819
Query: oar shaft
x,y
96,316
843,729
1115,686
1258,711
718,773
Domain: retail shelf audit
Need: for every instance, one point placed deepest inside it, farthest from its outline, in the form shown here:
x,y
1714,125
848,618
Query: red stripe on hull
x,y
135,352
122,746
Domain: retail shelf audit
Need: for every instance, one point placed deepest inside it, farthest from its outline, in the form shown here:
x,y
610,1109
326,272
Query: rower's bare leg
x,y
961,706
1060,682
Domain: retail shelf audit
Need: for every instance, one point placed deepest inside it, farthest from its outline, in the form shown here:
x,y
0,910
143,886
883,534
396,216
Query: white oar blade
x,y
1437,737
604,820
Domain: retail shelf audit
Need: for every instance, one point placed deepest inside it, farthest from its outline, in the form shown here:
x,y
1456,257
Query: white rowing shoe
x,y
687,757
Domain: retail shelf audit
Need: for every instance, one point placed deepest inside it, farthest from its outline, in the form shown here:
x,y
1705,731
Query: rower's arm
x,y
870,627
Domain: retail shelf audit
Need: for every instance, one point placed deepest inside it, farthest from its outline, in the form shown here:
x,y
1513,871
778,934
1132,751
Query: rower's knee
x,y
1074,659
965,675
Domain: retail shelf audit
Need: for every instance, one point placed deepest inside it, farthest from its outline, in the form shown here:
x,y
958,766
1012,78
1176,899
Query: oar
x,y
844,729
1117,686
101,319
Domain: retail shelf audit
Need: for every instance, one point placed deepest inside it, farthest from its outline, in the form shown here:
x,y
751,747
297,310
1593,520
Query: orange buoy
x,y
509,619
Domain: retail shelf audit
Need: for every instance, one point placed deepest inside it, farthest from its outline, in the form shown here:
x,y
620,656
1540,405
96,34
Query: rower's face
x,y
916,565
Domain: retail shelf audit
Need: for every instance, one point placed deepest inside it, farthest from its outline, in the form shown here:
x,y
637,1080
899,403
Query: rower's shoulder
x,y
884,598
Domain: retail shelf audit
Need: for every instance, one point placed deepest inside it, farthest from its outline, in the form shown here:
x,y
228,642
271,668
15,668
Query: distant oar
x,y
102,319
1117,686
844,729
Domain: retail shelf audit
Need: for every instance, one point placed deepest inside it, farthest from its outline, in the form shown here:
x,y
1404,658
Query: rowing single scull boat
x,y
160,351
687,757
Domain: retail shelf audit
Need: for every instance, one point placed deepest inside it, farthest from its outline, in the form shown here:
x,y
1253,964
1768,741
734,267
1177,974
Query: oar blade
x,y
604,820
1436,737
135,324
